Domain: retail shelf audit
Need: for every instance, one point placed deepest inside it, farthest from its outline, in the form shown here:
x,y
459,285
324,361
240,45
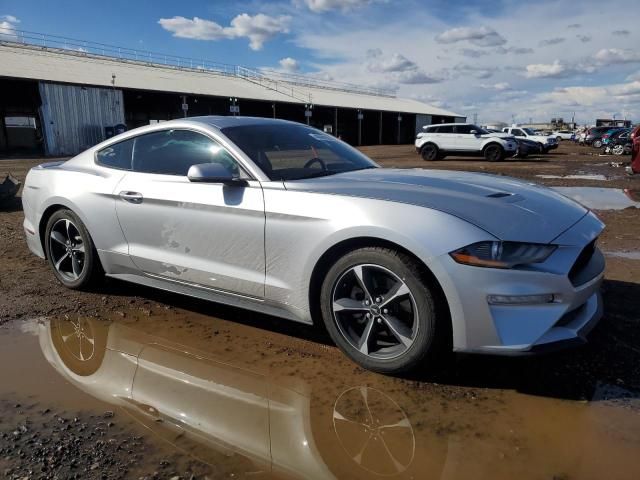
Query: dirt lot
x,y
488,395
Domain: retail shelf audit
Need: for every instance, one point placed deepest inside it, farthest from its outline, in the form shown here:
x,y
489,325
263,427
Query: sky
x,y
501,60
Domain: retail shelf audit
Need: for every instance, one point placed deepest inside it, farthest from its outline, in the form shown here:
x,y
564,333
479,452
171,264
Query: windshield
x,y
293,152
528,131
480,130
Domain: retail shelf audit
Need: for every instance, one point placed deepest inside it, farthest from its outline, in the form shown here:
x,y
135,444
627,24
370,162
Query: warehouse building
x,y
60,96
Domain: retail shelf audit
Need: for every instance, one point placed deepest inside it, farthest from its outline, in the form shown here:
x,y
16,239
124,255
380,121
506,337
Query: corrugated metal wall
x,y
421,121
74,117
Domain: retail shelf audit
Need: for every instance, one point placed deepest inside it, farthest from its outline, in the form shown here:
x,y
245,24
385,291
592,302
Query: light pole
x,y
185,106
308,111
234,108
399,122
360,117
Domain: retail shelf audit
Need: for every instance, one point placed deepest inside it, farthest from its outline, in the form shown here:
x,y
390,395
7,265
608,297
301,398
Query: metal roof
x,y
77,66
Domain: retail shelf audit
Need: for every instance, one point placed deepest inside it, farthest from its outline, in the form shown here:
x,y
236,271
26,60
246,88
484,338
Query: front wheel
x,y
618,149
430,152
493,153
70,251
379,312
597,144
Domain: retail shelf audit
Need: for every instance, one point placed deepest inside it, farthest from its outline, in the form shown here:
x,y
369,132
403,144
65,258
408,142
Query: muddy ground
x,y
487,394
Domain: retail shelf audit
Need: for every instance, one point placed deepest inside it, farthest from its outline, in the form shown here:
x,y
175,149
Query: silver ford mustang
x,y
400,266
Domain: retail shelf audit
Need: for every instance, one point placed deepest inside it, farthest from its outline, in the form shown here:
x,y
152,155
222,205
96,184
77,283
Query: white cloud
x,y
319,6
481,36
417,77
474,71
395,63
499,87
289,64
258,28
557,69
8,27
196,28
611,56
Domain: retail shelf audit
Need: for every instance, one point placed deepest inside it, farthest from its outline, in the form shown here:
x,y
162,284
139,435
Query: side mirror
x,y
214,173
474,132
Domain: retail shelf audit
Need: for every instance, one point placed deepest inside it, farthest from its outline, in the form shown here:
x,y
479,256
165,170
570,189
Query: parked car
x,y
619,143
594,136
527,147
563,135
546,142
273,216
438,141
606,137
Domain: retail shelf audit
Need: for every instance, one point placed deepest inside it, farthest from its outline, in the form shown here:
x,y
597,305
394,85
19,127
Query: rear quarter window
x,y
117,155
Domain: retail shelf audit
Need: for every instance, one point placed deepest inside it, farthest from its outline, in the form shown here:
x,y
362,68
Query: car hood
x,y
497,134
507,208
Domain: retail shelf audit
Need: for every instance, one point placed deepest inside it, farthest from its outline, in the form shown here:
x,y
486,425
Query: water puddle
x,y
575,177
243,401
598,198
632,255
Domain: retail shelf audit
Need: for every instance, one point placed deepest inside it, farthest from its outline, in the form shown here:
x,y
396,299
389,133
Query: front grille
x,y
581,263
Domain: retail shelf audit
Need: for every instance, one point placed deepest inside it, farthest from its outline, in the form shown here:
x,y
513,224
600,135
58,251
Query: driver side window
x,y
517,132
173,152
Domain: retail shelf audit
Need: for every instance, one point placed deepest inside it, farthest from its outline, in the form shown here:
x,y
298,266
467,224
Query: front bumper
x,y
517,329
550,146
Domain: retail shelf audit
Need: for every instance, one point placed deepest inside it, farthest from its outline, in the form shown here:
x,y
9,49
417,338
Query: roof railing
x,y
281,82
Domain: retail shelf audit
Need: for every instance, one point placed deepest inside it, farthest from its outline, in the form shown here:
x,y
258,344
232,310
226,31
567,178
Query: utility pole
x,y
273,108
475,118
399,122
360,117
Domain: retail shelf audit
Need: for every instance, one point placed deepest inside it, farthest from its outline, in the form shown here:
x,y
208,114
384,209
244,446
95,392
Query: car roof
x,y
445,124
220,121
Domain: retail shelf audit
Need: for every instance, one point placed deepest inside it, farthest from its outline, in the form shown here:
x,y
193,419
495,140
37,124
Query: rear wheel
x,y
379,312
430,152
70,251
618,149
558,139
494,153
597,144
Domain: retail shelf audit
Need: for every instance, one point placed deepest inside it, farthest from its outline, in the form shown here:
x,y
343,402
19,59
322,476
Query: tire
x,y
493,153
412,314
430,152
80,267
558,139
618,149
597,144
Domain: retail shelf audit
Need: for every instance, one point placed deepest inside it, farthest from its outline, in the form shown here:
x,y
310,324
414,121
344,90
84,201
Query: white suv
x,y
546,142
437,141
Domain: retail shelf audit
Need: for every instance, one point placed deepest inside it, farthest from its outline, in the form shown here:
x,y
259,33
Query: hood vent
x,y
499,195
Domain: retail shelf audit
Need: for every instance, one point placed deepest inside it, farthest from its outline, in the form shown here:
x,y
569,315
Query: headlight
x,y
502,254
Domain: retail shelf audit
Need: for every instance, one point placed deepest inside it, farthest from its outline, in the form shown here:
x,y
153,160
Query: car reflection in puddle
x,y
324,426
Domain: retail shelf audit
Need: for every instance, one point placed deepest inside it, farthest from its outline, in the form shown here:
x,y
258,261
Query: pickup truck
x,y
547,143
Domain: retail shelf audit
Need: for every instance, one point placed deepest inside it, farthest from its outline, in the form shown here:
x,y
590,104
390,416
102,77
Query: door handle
x,y
131,197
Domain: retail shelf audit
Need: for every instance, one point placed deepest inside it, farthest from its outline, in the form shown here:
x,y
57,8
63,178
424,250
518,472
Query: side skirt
x,y
234,300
